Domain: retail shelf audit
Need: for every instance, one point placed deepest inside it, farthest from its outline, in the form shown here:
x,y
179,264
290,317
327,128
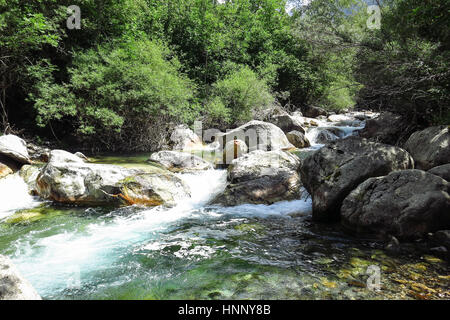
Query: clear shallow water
x,y
196,251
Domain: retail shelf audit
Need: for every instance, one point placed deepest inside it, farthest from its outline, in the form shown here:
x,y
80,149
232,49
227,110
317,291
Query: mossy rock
x,y
25,217
33,215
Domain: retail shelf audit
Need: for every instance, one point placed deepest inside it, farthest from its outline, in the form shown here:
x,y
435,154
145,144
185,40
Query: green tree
x,y
404,66
119,95
237,96
25,31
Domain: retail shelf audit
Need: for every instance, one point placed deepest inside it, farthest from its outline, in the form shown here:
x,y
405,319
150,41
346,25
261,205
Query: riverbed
x,y
199,251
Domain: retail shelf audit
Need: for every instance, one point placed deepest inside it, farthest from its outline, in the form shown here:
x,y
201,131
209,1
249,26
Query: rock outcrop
x,y
332,172
406,204
430,147
13,286
262,178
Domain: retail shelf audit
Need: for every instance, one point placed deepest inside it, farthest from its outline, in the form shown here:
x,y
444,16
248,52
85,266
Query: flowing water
x,y
199,251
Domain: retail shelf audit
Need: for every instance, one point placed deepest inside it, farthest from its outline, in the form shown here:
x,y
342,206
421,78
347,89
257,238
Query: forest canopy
x,y
136,67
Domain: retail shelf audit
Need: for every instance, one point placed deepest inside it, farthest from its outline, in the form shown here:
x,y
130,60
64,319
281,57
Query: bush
x,y
237,96
119,96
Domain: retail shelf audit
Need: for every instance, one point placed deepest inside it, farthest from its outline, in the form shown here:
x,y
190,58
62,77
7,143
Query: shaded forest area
x,y
137,67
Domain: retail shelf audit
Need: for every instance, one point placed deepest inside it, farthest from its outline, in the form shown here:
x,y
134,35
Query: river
x,y
199,251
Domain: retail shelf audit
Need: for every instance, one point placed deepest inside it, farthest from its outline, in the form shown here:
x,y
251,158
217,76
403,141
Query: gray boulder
x,y
179,161
298,139
64,156
99,184
406,204
14,148
262,178
332,172
13,286
260,136
386,128
313,112
430,147
441,171
287,123
183,138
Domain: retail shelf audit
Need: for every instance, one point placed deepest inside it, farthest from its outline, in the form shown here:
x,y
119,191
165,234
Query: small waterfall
x,y
14,195
329,131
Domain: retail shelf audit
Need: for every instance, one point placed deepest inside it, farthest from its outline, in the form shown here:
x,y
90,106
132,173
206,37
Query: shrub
x,y
119,95
237,96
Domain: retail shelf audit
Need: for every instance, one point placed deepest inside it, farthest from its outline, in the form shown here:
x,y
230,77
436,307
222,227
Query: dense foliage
x,y
137,67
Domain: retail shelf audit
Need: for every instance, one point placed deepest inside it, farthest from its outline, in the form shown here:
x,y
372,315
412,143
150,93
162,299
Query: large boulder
x,y
183,138
64,156
430,147
298,139
260,136
405,204
261,177
15,148
13,286
441,171
99,184
332,172
313,112
179,161
287,123
386,128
